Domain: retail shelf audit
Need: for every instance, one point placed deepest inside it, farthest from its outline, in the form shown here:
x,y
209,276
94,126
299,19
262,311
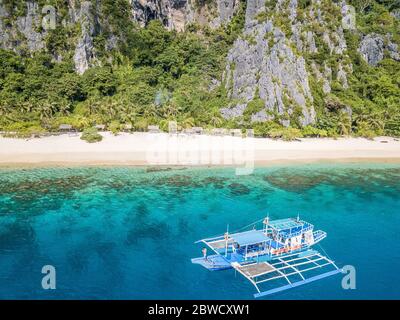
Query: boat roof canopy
x,y
287,224
250,237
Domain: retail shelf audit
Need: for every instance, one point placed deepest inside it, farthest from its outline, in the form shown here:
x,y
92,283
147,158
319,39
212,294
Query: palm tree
x,y
127,116
94,106
4,109
343,123
64,108
26,107
376,122
150,112
81,122
108,108
216,121
47,109
169,111
188,122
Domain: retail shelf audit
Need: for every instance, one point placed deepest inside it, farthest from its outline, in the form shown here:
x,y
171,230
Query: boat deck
x,y
256,269
219,244
295,269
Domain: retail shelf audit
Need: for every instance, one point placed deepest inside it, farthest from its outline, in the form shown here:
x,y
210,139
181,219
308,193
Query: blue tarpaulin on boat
x,y
285,224
250,237
276,245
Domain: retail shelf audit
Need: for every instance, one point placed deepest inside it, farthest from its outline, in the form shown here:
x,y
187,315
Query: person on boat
x,y
226,236
204,251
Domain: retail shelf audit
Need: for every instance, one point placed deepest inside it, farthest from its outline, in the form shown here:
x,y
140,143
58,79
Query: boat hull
x,y
213,263
218,262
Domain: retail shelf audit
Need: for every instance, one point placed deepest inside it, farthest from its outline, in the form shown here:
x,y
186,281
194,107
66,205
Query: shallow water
x,y
129,232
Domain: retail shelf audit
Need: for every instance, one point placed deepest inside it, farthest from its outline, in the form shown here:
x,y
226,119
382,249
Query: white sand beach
x,y
165,149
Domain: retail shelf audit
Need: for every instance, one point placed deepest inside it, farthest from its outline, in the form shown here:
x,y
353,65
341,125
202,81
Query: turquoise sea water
x,y
129,232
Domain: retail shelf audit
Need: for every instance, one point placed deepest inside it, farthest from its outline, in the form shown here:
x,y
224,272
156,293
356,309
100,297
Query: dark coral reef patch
x,y
238,189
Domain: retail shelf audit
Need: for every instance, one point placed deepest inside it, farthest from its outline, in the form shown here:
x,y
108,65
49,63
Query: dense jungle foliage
x,y
158,75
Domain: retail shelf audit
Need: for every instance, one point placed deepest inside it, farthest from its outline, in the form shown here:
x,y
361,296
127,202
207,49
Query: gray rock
x,y
342,77
4,36
263,58
84,56
396,14
261,116
112,42
3,11
253,7
341,41
327,72
296,36
285,123
233,112
226,11
319,15
348,16
348,110
312,48
371,48
24,31
292,10
28,24
176,14
33,35
326,87
393,51
275,70
327,40
318,75
215,83
278,34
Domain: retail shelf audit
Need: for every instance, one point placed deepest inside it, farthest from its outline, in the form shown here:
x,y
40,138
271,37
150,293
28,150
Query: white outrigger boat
x,y
280,251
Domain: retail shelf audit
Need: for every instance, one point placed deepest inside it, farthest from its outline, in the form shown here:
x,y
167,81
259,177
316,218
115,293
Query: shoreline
x,y
163,150
258,164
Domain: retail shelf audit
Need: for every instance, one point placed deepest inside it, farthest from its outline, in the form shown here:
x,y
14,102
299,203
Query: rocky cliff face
x,y
277,56
27,29
176,14
373,46
84,55
264,65
21,28
273,62
268,62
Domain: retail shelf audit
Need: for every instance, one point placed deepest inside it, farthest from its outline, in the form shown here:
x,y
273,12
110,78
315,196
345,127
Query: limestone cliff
x,y
176,14
21,27
268,61
275,62
277,56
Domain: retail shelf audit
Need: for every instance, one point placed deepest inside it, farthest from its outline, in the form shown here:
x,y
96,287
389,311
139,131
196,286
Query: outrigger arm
x,y
285,268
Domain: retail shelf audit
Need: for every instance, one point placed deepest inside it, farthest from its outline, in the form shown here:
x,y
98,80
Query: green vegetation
x,y
253,107
155,75
115,127
287,134
374,92
91,135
